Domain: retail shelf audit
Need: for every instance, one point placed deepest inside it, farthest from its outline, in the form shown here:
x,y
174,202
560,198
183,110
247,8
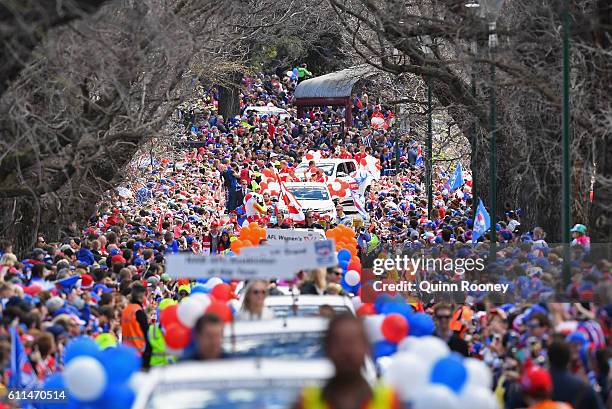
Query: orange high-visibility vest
x,y
131,332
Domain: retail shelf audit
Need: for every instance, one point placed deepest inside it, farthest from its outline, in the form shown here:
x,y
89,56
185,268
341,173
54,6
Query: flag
x,y
293,206
482,222
419,158
67,283
455,181
359,201
22,374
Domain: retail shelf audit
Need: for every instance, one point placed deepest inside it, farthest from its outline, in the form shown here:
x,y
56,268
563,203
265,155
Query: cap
x,y
165,277
579,228
536,379
86,281
54,303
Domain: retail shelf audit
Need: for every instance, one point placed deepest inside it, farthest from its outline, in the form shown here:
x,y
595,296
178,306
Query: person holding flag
x,y
455,181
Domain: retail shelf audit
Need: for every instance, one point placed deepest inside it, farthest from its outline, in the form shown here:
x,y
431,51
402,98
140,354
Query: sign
x,y
297,235
279,261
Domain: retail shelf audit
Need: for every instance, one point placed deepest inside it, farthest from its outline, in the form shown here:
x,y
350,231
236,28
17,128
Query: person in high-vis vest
x,y
347,346
159,356
134,324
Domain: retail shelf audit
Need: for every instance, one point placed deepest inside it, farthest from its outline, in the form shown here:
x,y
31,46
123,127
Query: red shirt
x,y
359,156
346,155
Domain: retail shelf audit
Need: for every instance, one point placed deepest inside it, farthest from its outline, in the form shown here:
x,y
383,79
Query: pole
x,y
565,206
429,169
493,152
474,149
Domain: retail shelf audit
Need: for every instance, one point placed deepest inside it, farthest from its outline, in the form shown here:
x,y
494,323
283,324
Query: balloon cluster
x,y
94,377
249,236
438,379
389,321
347,257
178,320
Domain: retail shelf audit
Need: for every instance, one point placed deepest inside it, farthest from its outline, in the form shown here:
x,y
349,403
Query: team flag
x,y
22,374
455,181
419,158
482,222
359,201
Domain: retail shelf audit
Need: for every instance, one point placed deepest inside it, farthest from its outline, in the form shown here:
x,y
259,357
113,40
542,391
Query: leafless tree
x,y
528,62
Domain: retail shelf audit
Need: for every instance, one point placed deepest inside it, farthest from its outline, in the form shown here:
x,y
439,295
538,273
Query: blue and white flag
x,y
482,222
22,374
419,158
359,201
455,181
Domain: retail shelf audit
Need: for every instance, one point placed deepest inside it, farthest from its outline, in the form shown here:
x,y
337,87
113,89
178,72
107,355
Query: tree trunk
x,y
229,96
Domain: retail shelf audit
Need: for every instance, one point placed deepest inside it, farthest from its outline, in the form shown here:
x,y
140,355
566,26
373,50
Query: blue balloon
x,y
198,288
55,381
344,254
81,346
383,348
120,363
344,264
449,371
398,308
380,301
118,397
421,324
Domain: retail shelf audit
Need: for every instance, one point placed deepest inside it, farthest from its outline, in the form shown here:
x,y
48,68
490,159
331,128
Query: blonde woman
x,y
253,308
316,284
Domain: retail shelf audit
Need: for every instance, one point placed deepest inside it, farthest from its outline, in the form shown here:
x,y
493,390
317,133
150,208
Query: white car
x,y
344,169
268,110
308,305
288,338
236,384
312,196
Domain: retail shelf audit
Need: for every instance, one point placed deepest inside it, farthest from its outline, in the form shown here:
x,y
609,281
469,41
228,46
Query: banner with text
x,y
279,261
297,235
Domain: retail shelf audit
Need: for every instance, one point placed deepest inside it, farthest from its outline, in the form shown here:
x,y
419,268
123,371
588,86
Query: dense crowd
x,y
197,201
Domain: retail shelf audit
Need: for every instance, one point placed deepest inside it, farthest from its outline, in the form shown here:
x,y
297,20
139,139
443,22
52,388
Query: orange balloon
x,y
247,243
253,225
235,246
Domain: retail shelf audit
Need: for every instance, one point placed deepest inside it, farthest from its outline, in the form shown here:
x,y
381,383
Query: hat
x,y
118,258
579,228
185,287
165,277
536,379
166,302
86,281
103,288
153,280
54,303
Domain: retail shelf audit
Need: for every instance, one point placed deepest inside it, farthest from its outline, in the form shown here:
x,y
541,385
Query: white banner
x,y
279,261
296,235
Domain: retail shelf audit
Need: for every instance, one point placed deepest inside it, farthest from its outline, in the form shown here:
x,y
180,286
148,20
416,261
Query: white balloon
x,y
372,324
436,396
408,374
475,397
430,349
352,278
408,344
356,302
203,299
213,281
85,378
189,310
478,373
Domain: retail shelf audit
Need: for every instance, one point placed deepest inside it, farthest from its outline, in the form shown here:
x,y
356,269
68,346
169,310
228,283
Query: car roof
x,y
246,368
329,160
264,108
277,326
332,300
306,184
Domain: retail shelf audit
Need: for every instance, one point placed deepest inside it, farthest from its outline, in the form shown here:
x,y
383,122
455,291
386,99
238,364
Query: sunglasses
x,y
336,273
443,317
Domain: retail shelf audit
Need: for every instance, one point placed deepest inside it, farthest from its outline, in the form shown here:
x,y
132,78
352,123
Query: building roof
x,y
337,84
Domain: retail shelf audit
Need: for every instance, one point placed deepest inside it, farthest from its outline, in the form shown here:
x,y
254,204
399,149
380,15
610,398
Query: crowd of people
x,y
107,280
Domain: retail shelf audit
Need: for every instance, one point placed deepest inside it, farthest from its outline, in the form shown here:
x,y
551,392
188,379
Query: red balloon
x,y
222,292
177,335
168,315
354,265
221,310
363,162
366,309
394,327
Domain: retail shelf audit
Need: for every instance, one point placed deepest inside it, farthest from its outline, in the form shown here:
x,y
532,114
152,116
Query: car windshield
x,y
309,193
227,394
295,345
327,168
281,311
